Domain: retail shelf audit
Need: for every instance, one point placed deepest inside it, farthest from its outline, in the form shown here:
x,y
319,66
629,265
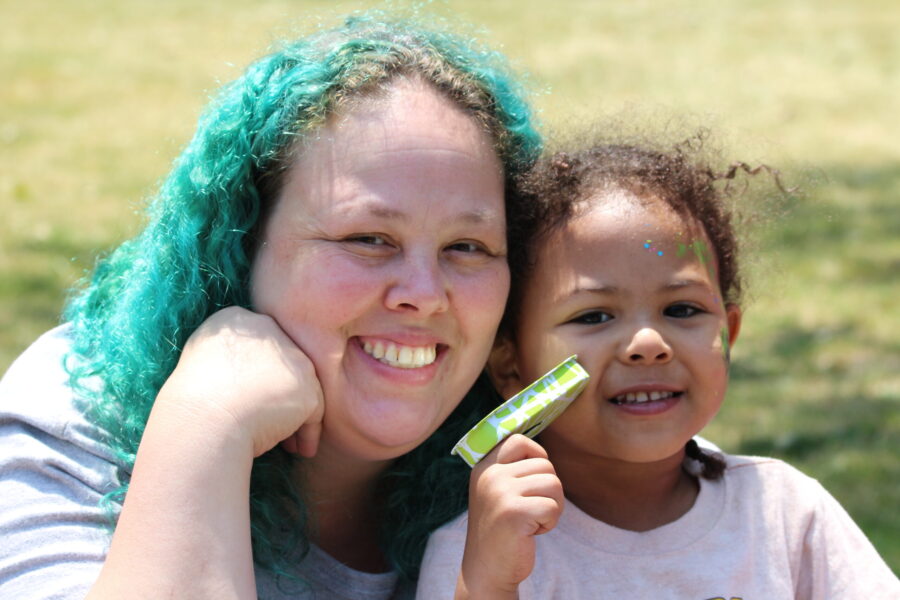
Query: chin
x,y
383,443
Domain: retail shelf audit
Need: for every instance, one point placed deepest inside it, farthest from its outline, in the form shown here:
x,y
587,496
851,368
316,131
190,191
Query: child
x,y
635,271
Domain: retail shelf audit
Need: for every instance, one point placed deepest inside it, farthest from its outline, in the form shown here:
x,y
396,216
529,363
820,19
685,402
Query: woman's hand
x,y
240,387
240,369
514,495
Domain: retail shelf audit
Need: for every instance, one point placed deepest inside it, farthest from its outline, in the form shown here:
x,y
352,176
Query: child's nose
x,y
647,346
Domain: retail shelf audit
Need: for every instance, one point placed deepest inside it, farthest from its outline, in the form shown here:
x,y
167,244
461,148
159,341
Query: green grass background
x,y
97,97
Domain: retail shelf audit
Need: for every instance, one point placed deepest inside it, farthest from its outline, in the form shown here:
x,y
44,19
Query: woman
x,y
322,276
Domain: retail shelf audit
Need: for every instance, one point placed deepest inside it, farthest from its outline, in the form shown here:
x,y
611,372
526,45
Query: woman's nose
x,y
420,287
646,347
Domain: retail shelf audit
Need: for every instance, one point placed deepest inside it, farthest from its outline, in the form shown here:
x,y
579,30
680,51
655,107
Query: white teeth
x,y
418,357
640,397
404,357
390,353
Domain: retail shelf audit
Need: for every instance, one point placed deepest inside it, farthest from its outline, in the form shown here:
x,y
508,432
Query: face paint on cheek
x,y
726,347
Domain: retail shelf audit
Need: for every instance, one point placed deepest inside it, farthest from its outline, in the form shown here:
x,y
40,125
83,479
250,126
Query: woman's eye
x,y
369,240
595,317
370,244
466,247
681,311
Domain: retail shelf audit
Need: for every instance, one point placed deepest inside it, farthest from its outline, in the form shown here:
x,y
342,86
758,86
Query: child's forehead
x,y
618,235
616,212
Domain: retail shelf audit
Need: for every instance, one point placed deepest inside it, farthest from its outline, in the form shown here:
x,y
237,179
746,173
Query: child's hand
x,y
240,371
514,495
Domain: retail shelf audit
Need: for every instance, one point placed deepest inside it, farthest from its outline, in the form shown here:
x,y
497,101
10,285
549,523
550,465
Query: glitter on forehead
x,y
649,246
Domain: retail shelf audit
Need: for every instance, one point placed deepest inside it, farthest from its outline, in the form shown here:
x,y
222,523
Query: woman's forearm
x,y
184,530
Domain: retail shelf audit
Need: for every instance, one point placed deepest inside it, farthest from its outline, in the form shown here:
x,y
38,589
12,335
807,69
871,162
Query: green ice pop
x,y
528,412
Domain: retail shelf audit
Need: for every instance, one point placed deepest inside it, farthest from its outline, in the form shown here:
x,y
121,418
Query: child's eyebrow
x,y
680,284
600,288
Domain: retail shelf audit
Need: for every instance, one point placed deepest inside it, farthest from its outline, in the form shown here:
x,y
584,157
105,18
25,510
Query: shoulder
x,y
38,370
758,483
768,475
54,471
35,394
40,414
829,554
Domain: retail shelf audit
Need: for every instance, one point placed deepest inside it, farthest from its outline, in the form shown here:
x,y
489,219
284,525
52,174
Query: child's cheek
x,y
553,349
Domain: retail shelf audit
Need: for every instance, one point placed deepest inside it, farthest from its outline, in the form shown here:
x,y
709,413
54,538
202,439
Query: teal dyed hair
x,y
131,320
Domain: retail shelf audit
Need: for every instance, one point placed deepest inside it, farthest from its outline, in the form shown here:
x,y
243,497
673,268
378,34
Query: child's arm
x,y
514,495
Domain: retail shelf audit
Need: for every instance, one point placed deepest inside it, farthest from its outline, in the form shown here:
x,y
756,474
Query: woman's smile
x,y
399,355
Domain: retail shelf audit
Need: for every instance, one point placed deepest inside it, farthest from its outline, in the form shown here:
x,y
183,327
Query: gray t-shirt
x,y
54,470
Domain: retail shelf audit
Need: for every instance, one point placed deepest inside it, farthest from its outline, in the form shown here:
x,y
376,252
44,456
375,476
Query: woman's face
x,y
384,260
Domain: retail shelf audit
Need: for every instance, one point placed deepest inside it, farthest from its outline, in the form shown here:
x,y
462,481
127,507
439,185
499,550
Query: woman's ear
x,y
502,368
734,315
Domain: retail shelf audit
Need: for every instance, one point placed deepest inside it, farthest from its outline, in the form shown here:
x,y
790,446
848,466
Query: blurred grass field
x,y
98,96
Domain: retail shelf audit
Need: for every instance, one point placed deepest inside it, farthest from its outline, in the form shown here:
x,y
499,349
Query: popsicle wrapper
x,y
528,412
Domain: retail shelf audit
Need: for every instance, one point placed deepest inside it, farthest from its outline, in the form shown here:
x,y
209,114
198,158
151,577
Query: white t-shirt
x,y
54,469
763,531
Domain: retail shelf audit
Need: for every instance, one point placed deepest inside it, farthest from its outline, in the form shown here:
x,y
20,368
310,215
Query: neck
x,y
340,492
631,496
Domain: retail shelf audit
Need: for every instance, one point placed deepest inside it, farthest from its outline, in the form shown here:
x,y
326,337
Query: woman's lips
x,y
416,363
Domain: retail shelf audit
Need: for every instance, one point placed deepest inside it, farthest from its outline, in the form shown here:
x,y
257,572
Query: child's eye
x,y
594,317
681,311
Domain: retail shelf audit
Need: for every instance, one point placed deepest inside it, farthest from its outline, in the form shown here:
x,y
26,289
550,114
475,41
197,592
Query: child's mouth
x,y
642,397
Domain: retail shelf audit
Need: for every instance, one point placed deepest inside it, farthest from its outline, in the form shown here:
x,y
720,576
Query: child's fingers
x,y
546,485
515,448
541,496
545,513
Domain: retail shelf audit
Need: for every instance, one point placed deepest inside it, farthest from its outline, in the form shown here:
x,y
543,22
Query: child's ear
x,y
502,368
734,315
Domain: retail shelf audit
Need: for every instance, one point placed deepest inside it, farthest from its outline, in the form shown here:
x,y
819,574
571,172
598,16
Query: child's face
x,y
632,290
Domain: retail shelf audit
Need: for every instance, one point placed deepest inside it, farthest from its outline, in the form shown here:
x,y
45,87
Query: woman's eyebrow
x,y
470,216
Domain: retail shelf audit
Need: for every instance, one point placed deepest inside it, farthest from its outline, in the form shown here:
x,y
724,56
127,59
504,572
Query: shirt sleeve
x,y
442,561
838,560
54,471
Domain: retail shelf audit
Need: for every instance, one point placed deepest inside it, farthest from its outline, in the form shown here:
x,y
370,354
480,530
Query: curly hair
x,y
131,319
682,176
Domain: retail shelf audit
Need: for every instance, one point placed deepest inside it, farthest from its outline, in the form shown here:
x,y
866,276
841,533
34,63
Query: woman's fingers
x,y
307,438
